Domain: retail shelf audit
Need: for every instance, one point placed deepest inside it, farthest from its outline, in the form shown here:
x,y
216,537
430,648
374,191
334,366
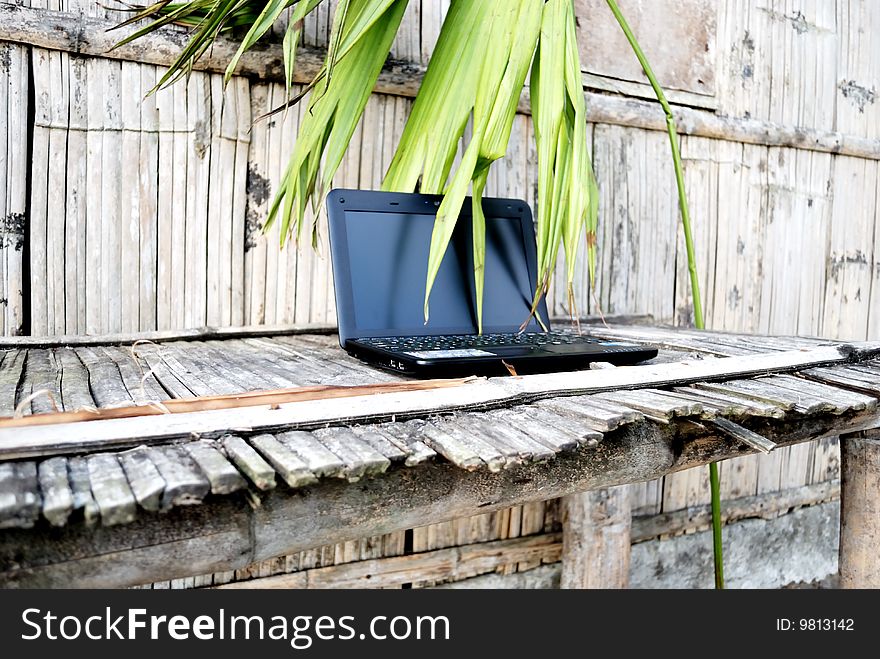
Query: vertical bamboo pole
x,y
596,538
860,510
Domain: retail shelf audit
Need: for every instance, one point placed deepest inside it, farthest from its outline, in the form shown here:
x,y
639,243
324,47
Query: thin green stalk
x,y
714,486
692,263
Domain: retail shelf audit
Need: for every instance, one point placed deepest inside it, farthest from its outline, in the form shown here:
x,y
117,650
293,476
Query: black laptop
x,y
379,244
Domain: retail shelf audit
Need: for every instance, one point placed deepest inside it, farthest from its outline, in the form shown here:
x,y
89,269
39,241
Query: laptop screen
x,y
387,257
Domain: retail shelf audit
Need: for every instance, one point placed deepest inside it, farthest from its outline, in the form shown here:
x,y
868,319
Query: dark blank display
x,y
388,253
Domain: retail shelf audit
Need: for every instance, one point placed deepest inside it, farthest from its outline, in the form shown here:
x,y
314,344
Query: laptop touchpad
x,y
512,351
568,349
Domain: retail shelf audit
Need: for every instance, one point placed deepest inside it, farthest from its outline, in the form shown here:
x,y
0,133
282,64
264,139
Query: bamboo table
x,y
181,454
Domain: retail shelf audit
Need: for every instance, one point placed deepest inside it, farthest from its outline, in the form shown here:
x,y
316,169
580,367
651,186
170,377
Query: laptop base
x,y
489,360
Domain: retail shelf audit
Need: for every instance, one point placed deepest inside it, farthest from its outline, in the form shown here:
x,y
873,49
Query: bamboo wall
x,y
124,213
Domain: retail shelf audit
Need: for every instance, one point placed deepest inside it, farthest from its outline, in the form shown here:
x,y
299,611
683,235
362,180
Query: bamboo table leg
x,y
596,539
860,510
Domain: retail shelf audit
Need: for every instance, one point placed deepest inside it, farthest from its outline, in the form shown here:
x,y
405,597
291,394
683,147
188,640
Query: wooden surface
x,y
661,28
227,533
596,538
417,458
72,33
13,180
495,558
784,233
455,563
860,511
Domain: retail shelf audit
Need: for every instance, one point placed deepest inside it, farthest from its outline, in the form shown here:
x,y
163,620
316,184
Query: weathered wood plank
x,y
146,483
729,404
542,433
258,471
266,367
38,206
602,416
171,102
407,437
166,335
525,446
359,457
42,380
741,434
94,124
766,506
192,381
141,385
656,404
109,120
191,367
457,452
453,563
19,495
165,376
689,339
10,376
380,442
544,577
270,399
686,456
282,365
767,393
151,190
238,208
288,464
321,461
198,108
563,429
596,539
75,391
286,351
55,491
859,512
81,487
184,482
679,373
477,394
493,447
843,398
129,220
111,491
518,446
223,477
332,511
845,377
15,165
105,381
85,35
869,369
224,359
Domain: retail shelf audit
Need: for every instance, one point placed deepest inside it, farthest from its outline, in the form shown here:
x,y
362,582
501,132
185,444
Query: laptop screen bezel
x,y
342,201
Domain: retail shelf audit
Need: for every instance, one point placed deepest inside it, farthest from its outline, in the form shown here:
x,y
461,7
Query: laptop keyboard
x,y
475,341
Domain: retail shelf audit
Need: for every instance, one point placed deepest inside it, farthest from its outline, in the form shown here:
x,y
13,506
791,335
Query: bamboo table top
x,y
227,485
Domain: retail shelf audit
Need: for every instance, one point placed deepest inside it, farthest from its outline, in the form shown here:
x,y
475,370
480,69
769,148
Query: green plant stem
x,y
714,486
692,263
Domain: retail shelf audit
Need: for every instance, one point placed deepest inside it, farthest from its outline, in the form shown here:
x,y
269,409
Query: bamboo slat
x,y
14,169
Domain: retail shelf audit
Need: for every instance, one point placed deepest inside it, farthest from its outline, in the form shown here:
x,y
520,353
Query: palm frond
x,y
245,19
466,81
340,92
489,93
